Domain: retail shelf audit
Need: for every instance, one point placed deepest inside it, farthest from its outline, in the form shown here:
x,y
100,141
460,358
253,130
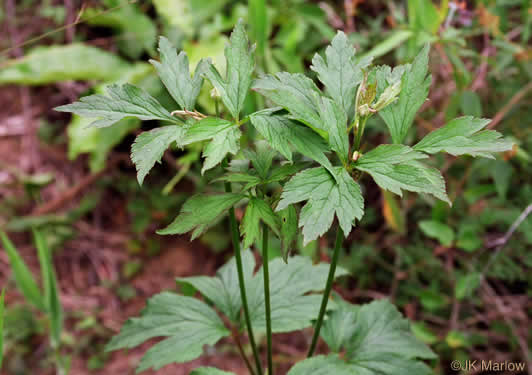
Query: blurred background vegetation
x,y
461,273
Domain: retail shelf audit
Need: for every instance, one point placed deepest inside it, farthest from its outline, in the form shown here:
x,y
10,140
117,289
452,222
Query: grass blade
x,y
2,326
23,277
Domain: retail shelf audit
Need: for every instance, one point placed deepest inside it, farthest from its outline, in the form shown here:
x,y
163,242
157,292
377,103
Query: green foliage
x,y
2,297
63,63
376,340
123,101
434,229
187,324
174,73
209,371
240,64
414,91
257,211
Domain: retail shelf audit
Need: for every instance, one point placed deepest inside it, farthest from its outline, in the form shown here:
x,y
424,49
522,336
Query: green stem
x,y
241,282
266,274
327,292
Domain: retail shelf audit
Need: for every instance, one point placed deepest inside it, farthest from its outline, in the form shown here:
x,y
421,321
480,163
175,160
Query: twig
x,y
508,106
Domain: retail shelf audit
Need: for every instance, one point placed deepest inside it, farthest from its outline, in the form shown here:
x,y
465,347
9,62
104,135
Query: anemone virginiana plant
x,y
310,151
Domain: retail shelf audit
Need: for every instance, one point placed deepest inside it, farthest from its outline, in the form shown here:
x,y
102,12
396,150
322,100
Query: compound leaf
x,y
340,72
123,101
395,167
414,90
200,211
149,147
257,211
223,290
187,323
240,64
325,196
175,75
464,135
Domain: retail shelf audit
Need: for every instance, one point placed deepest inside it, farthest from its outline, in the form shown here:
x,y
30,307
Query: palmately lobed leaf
x,y
341,73
188,324
123,101
149,147
336,121
175,75
240,65
326,197
415,86
464,135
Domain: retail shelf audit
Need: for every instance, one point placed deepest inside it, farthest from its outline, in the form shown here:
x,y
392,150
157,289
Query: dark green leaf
x,y
175,75
298,94
187,323
23,277
414,90
149,147
262,158
51,292
257,211
463,135
288,218
223,290
395,167
340,73
200,211
240,64
123,101
467,284
336,121
326,197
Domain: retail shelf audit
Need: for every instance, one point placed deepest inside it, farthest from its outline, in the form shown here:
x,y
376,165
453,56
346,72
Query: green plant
x,y
281,297
47,302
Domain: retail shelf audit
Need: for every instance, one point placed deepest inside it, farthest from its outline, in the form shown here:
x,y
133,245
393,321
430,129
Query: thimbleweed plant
x,y
307,126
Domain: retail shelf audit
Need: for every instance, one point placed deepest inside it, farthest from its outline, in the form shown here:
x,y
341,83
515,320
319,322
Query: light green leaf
x,y
200,211
209,371
296,93
23,277
249,180
395,167
281,133
377,341
2,298
463,135
326,197
467,284
45,65
414,90
149,147
187,323
51,292
258,24
336,121
207,128
257,211
123,101
240,64
223,290
434,229
396,38
340,72
175,75
292,308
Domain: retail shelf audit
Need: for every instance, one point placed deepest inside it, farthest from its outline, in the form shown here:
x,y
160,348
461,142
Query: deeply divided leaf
x,y
464,135
240,64
257,212
396,167
187,324
340,72
415,86
149,147
326,197
123,101
175,75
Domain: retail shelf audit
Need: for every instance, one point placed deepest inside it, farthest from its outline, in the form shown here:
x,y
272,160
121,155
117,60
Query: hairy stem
x,y
241,282
327,292
266,274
